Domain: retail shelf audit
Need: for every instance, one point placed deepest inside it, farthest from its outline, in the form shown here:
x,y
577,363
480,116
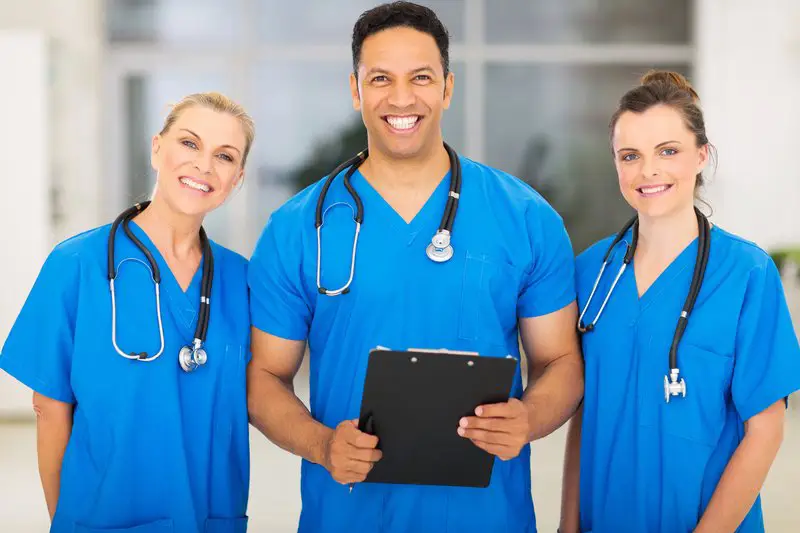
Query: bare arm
x,y
277,412
555,370
570,488
555,388
746,471
274,408
53,429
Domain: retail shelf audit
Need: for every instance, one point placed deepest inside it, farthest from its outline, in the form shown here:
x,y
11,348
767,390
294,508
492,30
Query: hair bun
x,y
669,78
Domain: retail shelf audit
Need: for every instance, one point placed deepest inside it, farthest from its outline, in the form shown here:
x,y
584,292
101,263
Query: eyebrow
x,y
379,70
223,146
659,145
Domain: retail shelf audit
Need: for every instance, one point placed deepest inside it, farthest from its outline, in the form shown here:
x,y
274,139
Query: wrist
x,y
320,450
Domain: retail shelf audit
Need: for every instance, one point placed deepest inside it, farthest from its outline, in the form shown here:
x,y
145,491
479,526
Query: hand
x,y
350,454
501,429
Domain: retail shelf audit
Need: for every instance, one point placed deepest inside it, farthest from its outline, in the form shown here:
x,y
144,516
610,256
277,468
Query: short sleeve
x,y
38,350
549,284
767,356
277,304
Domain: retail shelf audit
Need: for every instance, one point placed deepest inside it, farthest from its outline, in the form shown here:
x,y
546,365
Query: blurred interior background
x,y
86,83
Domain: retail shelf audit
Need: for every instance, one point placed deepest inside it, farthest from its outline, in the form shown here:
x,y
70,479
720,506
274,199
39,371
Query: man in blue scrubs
x,y
511,273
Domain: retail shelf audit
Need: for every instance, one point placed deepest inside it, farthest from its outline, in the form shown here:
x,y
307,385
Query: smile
x,y
196,184
402,123
653,190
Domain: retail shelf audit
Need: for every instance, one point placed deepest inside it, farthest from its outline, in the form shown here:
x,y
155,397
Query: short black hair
x,y
400,14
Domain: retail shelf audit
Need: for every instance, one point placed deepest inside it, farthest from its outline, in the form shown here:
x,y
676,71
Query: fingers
x,y
488,437
356,438
510,409
501,452
365,455
499,425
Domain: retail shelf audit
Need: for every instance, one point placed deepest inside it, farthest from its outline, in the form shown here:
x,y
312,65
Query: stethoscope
x,y
672,387
439,250
190,356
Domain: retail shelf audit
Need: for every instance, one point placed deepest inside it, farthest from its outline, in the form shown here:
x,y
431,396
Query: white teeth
x,y
402,123
194,185
653,190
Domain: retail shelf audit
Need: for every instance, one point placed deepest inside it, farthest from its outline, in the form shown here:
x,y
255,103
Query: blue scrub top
x,y
152,449
512,259
648,466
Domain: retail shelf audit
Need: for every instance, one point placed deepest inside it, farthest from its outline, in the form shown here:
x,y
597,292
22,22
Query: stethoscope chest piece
x,y
440,250
674,387
192,357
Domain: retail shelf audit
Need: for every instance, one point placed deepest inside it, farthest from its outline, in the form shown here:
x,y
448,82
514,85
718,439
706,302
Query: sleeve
x,y
38,350
549,284
277,304
767,356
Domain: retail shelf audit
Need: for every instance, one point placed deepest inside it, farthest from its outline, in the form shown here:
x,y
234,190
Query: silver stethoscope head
x,y
192,357
440,250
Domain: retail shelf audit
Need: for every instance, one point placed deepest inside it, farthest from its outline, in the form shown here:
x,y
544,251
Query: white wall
x,y
50,107
26,213
748,77
75,32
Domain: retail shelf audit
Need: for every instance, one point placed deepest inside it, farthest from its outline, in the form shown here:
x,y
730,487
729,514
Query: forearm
x,y
740,483
53,429
553,398
277,412
570,489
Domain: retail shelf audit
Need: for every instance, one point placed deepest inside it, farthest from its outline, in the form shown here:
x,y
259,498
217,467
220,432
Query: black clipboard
x,y
413,401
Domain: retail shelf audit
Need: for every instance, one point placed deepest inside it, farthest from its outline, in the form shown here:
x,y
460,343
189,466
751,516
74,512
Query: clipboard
x,y
413,401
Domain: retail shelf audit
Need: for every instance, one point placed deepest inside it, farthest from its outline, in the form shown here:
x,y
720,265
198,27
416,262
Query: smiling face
x,y
657,161
401,91
199,160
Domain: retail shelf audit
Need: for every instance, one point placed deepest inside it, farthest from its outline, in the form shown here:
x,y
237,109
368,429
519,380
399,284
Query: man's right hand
x,y
350,454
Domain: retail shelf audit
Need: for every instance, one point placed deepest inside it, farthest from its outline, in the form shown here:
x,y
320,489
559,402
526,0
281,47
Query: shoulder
x,y
82,247
744,254
228,257
593,255
510,194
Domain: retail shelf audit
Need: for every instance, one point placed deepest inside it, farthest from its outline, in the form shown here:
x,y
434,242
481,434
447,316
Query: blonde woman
x,y
135,339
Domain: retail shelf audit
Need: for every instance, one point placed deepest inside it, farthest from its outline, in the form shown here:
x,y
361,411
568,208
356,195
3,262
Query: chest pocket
x,y
489,293
700,416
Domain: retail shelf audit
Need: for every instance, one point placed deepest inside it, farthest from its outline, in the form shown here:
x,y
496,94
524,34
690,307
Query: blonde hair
x,y
216,102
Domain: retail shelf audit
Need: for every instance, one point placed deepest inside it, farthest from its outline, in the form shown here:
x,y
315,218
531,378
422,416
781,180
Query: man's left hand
x,y
501,429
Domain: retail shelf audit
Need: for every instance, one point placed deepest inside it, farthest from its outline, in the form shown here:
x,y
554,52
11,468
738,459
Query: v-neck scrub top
x,y
512,259
648,466
152,448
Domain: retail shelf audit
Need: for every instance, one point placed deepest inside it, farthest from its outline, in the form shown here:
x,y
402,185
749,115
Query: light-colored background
x,y
85,83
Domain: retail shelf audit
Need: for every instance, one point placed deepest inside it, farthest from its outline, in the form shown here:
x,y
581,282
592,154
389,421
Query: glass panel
x,y
331,22
589,21
548,125
147,102
306,125
174,21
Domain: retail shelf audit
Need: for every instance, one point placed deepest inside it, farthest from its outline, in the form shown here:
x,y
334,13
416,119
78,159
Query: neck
x,y
174,234
666,236
391,172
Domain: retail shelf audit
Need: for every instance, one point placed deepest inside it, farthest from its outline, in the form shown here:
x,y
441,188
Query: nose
x,y
650,168
203,163
401,95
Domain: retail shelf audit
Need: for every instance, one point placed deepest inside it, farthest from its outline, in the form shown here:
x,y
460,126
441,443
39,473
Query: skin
x,y
211,153
651,149
400,75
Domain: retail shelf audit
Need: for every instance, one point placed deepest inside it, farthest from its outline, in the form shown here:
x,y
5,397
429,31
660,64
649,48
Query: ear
x,y
448,89
239,179
354,92
703,158
155,147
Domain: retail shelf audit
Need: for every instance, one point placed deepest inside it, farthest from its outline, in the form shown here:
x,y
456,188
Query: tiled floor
x,y
275,503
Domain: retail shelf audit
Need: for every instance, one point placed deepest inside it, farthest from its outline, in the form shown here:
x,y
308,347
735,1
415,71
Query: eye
x,y
669,151
380,79
422,77
629,157
225,157
189,143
